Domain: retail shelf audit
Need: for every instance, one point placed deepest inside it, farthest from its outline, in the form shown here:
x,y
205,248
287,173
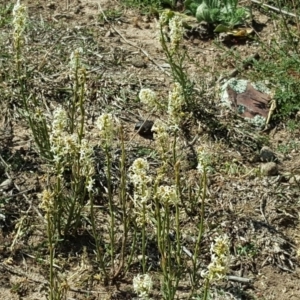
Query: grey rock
x,y
266,154
269,169
295,179
6,184
144,129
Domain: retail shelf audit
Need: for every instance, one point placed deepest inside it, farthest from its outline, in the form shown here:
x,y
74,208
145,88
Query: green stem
x,y
111,208
99,253
144,239
50,233
206,288
201,230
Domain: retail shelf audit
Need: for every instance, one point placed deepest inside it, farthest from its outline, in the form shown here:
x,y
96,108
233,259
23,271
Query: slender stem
x,y
201,230
206,288
50,232
144,239
111,208
81,105
178,192
99,253
123,203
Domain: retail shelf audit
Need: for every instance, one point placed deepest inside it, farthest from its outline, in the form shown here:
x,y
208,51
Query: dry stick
x,y
239,279
276,9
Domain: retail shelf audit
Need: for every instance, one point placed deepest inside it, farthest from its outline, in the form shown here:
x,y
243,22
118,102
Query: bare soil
x,y
259,213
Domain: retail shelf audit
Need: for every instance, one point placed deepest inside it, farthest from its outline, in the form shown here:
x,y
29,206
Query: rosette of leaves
x,y
218,12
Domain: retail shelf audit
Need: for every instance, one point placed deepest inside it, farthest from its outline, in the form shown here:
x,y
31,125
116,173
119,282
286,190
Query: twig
x,y
276,9
239,279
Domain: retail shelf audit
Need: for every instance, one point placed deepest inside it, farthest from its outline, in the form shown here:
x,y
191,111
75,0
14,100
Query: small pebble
x,y
269,169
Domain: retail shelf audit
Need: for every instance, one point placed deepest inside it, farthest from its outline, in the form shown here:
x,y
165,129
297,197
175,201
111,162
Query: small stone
x,y
266,154
295,179
139,63
144,129
6,184
269,169
109,34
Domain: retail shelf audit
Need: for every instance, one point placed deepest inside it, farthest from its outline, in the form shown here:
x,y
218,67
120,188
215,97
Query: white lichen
x,y
258,121
261,87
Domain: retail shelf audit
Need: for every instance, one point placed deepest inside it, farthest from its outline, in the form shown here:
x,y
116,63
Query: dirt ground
x,y
259,213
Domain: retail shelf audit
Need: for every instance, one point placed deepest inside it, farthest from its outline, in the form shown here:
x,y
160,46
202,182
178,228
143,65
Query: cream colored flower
x,y
176,32
175,105
141,181
47,200
167,194
107,127
75,62
19,22
149,98
142,285
220,259
204,161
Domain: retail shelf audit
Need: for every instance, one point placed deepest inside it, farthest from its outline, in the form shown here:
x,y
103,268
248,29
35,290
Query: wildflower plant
x,y
74,155
30,105
107,124
220,258
47,204
175,105
170,41
142,194
167,215
149,97
19,22
176,32
161,135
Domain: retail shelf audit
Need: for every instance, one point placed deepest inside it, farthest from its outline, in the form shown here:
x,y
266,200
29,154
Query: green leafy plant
x,y
218,12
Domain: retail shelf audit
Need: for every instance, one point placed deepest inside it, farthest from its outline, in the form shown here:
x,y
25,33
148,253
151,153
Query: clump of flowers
x,y
220,259
86,164
148,97
69,151
204,161
162,137
168,19
75,61
19,22
176,32
175,105
107,128
167,194
47,202
140,179
142,285
58,134
165,16
142,191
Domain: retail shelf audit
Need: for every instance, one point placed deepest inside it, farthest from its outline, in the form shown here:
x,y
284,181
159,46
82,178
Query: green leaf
x,y
221,28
